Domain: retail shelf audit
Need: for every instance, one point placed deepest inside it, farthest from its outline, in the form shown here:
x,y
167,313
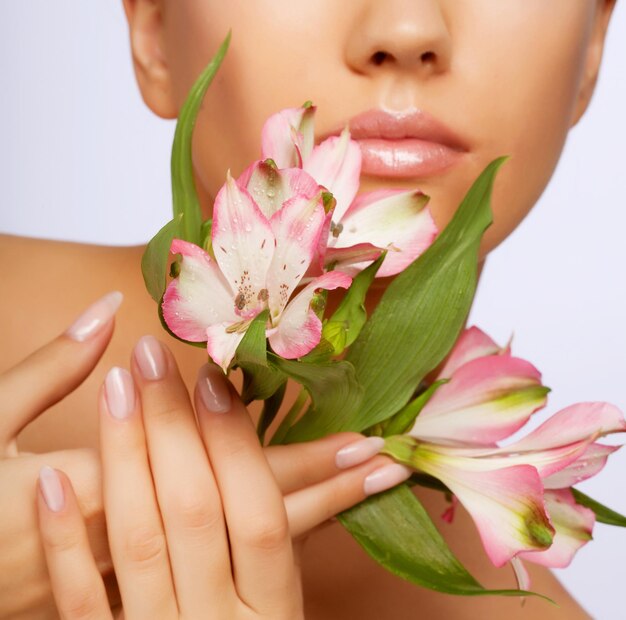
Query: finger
x,y
310,507
300,465
258,529
77,586
83,468
56,369
136,536
187,493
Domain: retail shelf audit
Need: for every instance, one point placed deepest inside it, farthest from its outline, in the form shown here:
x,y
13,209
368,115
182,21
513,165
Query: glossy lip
x,y
409,144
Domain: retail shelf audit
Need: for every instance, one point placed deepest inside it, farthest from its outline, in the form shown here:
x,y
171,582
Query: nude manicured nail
x,y
51,488
150,358
119,391
385,478
358,452
95,317
213,389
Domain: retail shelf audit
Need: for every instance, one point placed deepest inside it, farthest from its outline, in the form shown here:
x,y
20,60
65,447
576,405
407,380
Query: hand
x,y
197,521
27,390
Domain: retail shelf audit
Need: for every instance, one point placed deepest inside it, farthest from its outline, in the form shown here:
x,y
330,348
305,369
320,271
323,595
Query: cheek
x,y
271,64
521,82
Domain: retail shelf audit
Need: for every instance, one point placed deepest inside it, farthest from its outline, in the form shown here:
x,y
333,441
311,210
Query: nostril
x,y
379,58
428,58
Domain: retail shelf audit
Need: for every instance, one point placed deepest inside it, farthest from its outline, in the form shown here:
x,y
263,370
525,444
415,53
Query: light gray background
x,y
81,158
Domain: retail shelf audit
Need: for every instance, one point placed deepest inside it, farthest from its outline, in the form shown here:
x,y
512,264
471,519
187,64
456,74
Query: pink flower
x,y
455,438
260,256
359,227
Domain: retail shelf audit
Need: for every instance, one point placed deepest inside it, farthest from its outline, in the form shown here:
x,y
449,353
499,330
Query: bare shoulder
x,y
50,282
341,581
47,285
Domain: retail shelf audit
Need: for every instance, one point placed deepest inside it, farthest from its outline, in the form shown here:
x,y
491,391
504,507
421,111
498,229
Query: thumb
x,y
55,370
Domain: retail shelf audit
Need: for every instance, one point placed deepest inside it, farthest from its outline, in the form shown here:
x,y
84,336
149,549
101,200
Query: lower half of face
x,y
475,79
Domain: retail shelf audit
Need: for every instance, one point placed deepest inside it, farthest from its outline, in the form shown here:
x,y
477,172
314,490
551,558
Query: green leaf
x,y
253,346
184,192
332,385
260,381
156,258
421,313
350,316
292,415
404,419
270,409
603,514
396,531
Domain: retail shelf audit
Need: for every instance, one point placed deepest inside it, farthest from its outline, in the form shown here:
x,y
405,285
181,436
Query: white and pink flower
x,y
359,227
260,256
518,495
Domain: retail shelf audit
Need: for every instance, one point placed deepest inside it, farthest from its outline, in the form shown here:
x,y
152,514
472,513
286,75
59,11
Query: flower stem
x,y
292,414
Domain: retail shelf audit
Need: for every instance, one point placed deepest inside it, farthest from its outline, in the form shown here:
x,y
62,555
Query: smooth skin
x,y
509,77
302,485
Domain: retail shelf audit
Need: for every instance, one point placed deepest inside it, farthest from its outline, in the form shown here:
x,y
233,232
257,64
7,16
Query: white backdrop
x,y
81,158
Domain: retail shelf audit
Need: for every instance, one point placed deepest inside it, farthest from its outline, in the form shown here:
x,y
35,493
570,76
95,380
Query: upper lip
x,y
416,124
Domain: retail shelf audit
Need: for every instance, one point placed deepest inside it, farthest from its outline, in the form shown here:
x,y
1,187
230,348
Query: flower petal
x,y
588,464
271,187
546,462
200,296
353,259
296,227
573,424
243,244
287,136
396,220
336,164
505,504
486,400
573,525
299,330
222,343
472,344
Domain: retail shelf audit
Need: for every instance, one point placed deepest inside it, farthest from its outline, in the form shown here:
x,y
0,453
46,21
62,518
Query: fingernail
x,y
386,477
51,488
95,317
213,388
358,452
119,392
150,358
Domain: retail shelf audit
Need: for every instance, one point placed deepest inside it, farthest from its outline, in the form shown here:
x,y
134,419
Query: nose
x,y
402,35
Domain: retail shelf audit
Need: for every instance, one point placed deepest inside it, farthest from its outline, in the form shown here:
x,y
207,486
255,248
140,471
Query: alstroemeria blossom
x,y
359,227
259,259
455,438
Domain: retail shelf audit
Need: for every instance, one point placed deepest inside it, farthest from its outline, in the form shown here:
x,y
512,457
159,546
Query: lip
x,y
405,145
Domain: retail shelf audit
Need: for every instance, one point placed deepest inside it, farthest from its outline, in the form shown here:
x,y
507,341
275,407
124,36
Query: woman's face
x,y
505,77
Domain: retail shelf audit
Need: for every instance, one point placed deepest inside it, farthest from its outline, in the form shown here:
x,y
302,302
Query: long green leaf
x,y
397,532
603,514
421,313
332,385
184,192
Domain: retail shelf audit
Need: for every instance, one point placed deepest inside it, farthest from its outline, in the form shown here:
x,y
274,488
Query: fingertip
x,y
95,317
213,389
358,452
51,488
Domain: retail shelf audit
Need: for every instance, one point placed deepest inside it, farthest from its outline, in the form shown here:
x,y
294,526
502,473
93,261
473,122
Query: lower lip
x,y
406,158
